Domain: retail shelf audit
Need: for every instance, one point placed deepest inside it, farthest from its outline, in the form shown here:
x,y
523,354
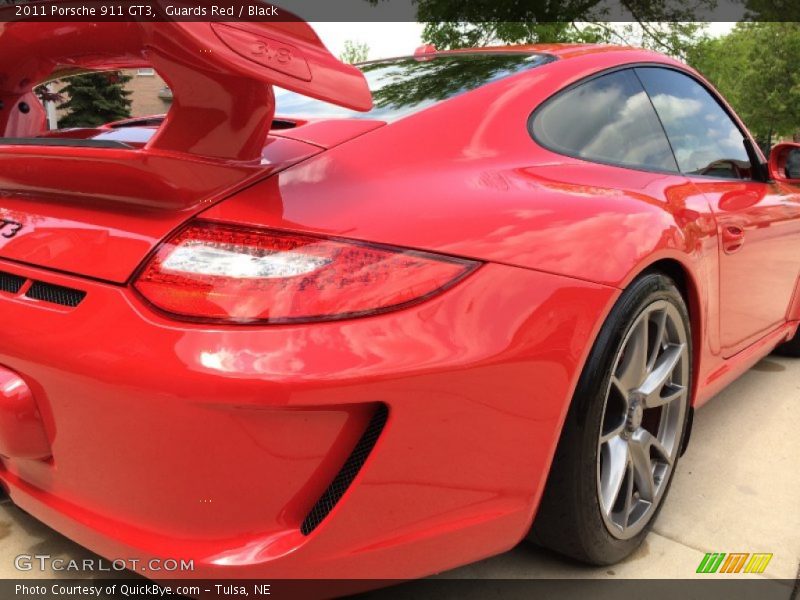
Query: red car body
x,y
213,441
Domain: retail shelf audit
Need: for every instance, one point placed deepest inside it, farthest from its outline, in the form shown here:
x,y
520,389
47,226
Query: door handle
x,y
732,238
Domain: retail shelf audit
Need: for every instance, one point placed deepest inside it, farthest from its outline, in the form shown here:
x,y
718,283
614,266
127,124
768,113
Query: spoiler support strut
x,y
221,75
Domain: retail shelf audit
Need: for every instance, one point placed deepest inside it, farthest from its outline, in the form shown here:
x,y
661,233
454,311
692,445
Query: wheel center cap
x,y
635,413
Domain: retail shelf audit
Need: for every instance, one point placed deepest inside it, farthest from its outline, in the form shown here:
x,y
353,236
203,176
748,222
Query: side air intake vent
x,y
39,290
348,472
56,294
282,124
10,283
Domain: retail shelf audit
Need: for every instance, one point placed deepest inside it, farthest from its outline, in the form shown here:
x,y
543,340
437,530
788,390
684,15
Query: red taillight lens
x,y
222,272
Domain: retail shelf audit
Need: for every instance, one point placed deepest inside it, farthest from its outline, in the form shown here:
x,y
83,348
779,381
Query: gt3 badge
x,y
9,228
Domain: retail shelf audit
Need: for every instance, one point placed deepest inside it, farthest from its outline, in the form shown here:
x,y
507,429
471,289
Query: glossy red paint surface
x,y
212,442
22,434
274,411
99,212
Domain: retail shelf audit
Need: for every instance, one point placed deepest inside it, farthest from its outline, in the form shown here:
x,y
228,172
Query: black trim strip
x,y
65,143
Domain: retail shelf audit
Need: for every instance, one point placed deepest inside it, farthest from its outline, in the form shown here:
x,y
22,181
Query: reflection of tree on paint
x,y
401,87
411,82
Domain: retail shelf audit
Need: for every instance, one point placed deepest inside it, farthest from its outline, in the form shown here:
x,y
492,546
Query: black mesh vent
x,y
10,283
348,473
47,292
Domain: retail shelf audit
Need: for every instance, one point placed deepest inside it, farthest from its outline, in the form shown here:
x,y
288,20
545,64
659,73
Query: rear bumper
x,y
212,444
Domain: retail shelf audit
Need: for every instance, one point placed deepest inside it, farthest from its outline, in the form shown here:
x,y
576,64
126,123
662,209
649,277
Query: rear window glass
x,y
404,86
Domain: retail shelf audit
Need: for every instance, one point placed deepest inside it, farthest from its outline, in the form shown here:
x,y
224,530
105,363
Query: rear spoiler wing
x,y
221,76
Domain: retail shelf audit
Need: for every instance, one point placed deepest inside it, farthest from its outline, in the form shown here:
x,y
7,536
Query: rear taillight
x,y
227,273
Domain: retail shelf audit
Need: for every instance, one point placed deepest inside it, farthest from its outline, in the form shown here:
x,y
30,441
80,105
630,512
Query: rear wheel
x,y
622,438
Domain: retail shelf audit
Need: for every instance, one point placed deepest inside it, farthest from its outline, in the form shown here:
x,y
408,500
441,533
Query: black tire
x,y
790,348
569,519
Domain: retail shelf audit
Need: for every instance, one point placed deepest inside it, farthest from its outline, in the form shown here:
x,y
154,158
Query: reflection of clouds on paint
x,y
404,86
313,171
605,230
411,342
285,359
602,245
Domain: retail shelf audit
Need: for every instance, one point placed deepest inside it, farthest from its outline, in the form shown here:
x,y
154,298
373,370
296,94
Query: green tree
x,y
354,52
772,10
446,35
94,99
669,26
676,39
755,68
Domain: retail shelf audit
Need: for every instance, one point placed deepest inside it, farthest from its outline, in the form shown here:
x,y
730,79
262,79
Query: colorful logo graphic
x,y
735,562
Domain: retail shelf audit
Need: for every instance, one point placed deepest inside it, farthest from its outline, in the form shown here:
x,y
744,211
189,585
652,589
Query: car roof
x,y
625,54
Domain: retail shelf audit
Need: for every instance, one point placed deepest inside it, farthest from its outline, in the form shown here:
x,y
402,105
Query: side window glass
x,y
706,141
608,119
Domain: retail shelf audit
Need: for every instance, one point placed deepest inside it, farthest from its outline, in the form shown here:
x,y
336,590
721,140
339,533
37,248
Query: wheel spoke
x,y
643,467
642,443
614,468
631,373
658,341
653,443
626,515
661,375
610,435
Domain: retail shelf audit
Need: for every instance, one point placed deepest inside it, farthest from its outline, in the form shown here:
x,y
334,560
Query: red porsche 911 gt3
x,y
322,321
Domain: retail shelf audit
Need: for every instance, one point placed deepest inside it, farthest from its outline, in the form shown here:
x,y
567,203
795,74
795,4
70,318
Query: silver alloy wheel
x,y
643,417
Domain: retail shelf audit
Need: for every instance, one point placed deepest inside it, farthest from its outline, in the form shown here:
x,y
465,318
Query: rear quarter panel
x,y
465,178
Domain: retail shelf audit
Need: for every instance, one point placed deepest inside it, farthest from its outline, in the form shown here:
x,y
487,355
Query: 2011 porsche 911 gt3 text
x,y
322,321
